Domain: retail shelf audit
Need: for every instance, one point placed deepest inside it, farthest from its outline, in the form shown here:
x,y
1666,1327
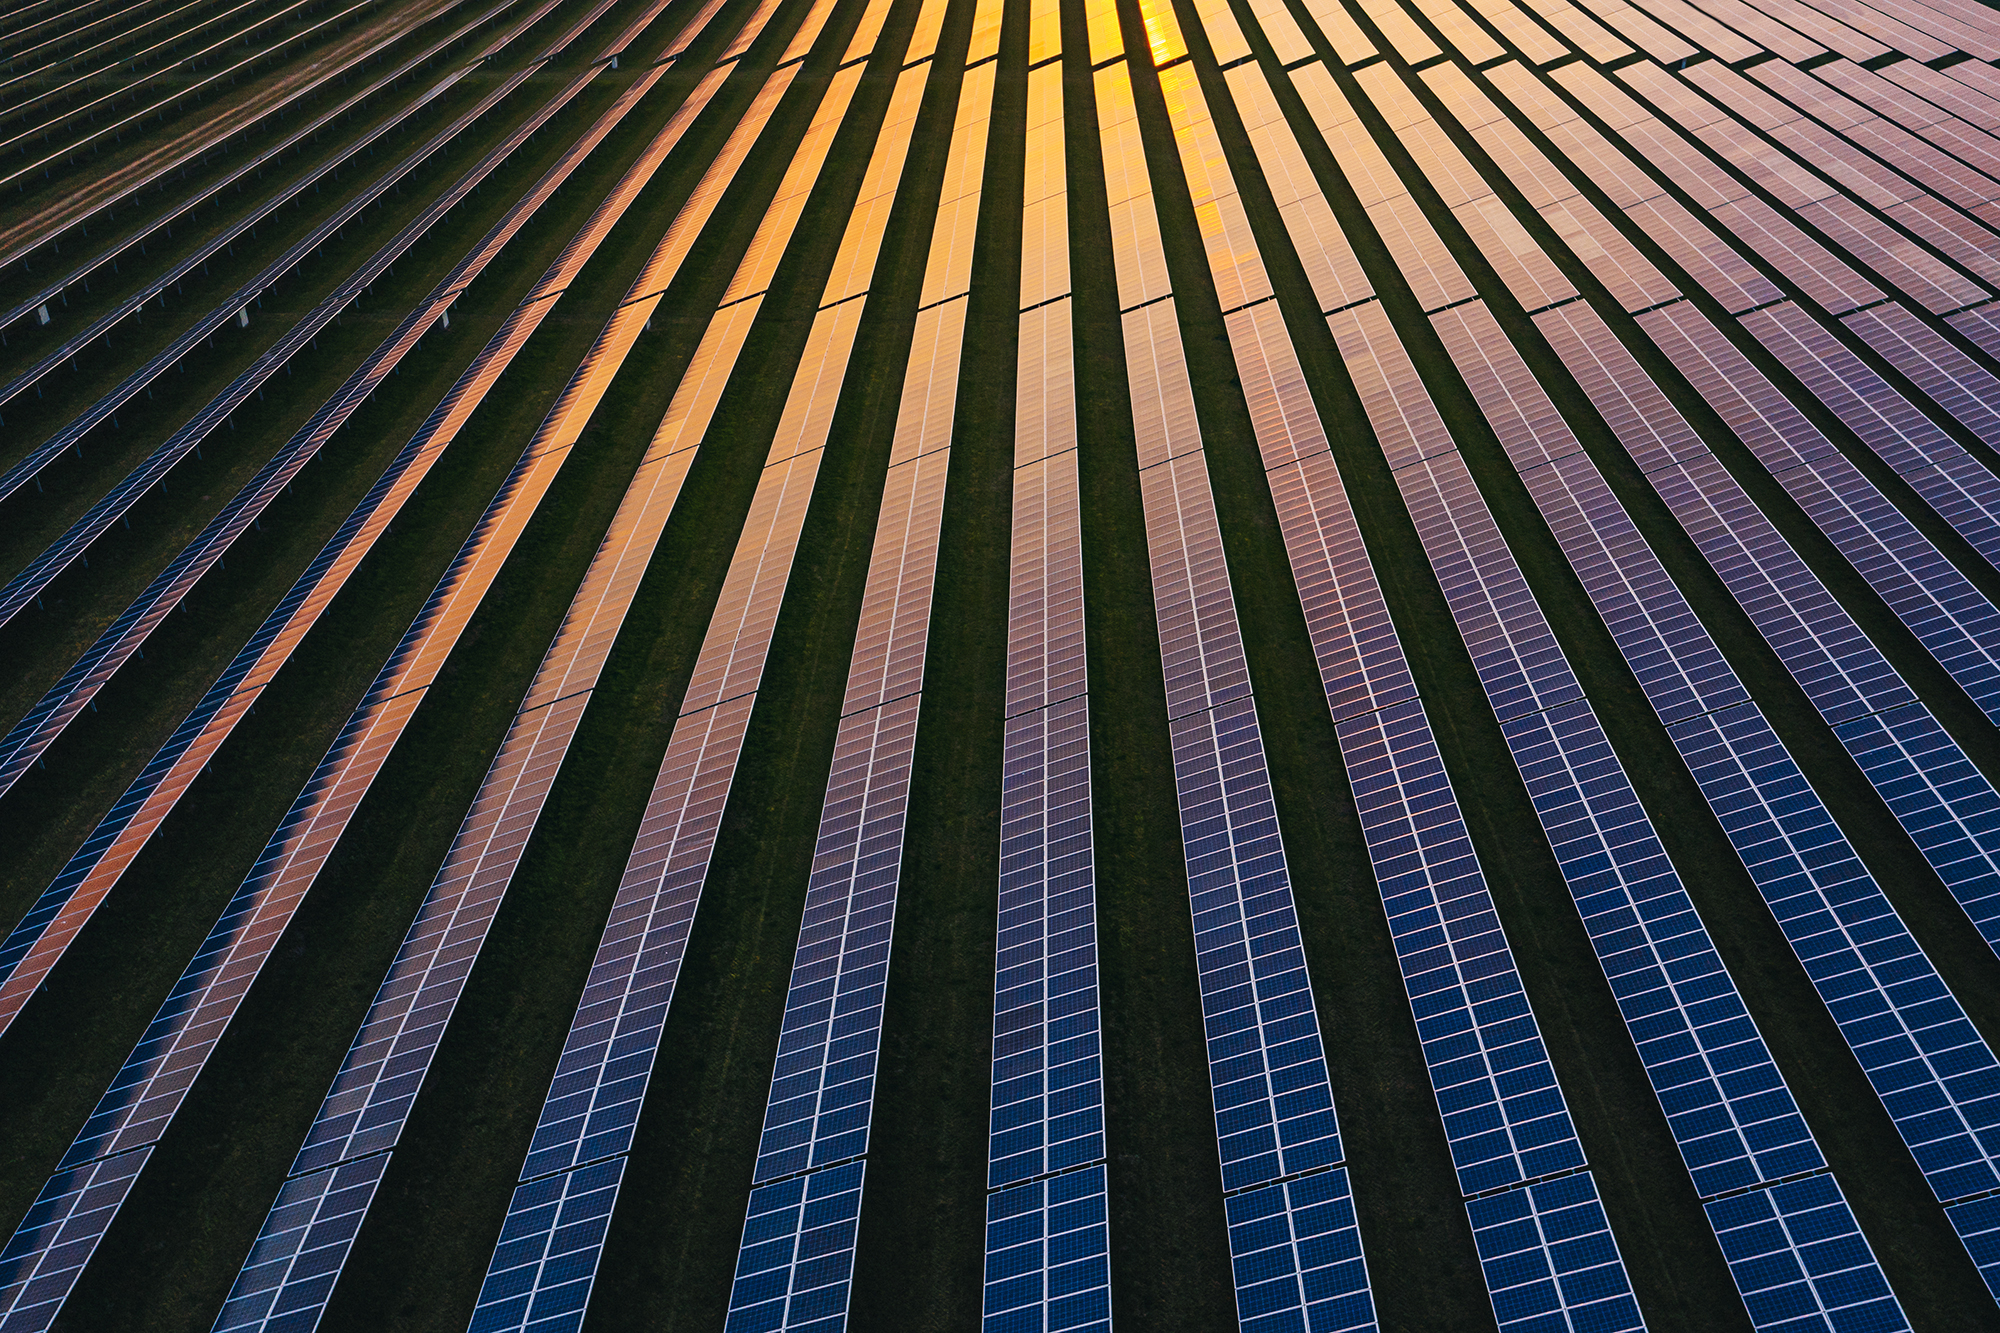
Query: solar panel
x,y
1047,1229
26,586
1730,1112
35,944
1550,1258
1047,1260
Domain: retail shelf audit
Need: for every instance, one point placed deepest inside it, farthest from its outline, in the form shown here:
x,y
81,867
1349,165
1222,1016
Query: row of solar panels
x,y
1261,345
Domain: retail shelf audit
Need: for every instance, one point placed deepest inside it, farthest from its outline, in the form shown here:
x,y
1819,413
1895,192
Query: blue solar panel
x,y
305,1239
1503,1111
542,1268
1274,1114
1801,1262
797,1260
1048,1080
1550,1259
1274,1111
823,1086
1937,1078
1297,1248
1978,1225
1048,1264
1961,490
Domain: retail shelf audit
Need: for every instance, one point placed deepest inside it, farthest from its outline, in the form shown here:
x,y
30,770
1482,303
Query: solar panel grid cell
x,y
1433,277
1640,30
1296,1246
1534,43
1550,1258
1900,261
1340,31
1288,40
1700,29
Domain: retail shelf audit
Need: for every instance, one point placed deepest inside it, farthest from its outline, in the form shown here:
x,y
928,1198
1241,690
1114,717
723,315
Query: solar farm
x,y
1021,665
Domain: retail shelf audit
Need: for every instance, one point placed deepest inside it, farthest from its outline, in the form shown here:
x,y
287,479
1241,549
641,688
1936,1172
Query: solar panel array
x,y
1504,1112
1742,1128
1629,293
796,1273
542,1269
299,1254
